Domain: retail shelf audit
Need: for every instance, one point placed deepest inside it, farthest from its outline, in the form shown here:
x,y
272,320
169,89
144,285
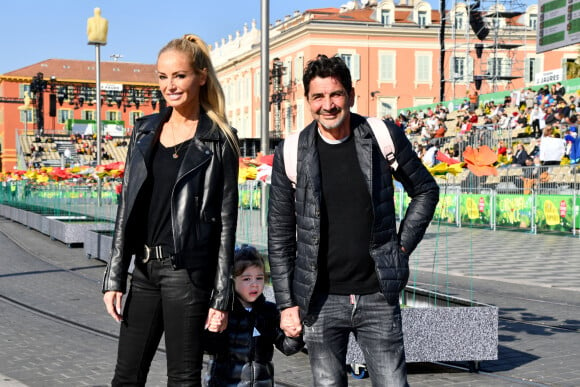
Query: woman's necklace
x,y
176,147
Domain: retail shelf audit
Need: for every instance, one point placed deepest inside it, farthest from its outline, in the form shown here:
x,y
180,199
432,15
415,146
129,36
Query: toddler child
x,y
242,354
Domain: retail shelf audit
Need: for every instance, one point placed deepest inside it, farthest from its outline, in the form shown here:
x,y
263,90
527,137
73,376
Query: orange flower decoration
x,y
480,161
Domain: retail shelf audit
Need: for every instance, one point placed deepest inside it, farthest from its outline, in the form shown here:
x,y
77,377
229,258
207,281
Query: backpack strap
x,y
290,152
380,130
383,136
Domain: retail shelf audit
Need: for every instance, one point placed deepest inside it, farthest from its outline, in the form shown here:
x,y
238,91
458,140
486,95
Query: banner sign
x,y
111,87
549,77
475,209
554,213
559,24
514,211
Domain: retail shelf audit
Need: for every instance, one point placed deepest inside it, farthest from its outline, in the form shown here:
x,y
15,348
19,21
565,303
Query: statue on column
x,y
97,28
27,101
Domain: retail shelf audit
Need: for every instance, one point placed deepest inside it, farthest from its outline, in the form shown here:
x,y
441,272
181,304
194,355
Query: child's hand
x,y
217,320
290,322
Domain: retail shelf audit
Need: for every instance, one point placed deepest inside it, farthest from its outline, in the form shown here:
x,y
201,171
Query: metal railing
x,y
533,199
538,199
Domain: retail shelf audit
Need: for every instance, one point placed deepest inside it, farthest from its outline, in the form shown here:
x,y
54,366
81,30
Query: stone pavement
x,y
54,330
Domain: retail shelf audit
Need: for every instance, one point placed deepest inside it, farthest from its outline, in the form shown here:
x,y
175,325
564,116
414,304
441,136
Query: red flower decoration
x,y
480,161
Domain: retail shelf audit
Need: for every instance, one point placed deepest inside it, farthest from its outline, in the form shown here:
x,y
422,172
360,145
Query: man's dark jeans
x,y
162,300
377,328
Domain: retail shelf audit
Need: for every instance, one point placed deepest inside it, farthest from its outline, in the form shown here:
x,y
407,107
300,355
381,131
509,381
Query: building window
x,y
27,116
298,69
386,17
458,69
257,83
133,117
422,18
113,115
299,114
248,88
387,67
493,67
423,68
353,63
459,21
238,92
287,72
347,58
258,126
497,67
530,70
24,88
229,91
88,115
64,115
386,106
533,22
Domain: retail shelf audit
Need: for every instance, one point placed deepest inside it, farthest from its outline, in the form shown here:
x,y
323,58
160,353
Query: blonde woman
x,y
177,215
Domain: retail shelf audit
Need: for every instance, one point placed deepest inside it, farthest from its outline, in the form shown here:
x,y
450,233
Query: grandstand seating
x,y
53,146
480,135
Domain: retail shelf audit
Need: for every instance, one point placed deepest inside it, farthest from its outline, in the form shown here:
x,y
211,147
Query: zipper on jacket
x,y
171,202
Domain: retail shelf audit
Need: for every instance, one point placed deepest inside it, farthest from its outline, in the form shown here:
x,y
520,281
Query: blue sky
x,y
34,30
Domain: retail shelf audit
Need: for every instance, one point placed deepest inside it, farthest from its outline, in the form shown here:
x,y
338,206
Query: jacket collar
x,y
205,132
206,129
256,305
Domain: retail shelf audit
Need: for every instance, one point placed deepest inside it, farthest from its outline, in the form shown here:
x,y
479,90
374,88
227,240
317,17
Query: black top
x,y
154,200
344,262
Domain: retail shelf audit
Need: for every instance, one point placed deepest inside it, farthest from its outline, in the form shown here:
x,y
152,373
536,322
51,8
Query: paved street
x,y
54,330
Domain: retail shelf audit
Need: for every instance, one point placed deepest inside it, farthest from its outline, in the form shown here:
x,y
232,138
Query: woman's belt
x,y
156,253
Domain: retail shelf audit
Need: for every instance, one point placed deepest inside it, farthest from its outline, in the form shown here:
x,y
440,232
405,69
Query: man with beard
x,y
336,260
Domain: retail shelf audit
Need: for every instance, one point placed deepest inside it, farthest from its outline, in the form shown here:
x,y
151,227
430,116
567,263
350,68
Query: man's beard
x,y
335,124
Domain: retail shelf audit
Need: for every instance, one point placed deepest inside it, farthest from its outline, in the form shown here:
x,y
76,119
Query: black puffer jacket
x,y
203,204
238,358
294,214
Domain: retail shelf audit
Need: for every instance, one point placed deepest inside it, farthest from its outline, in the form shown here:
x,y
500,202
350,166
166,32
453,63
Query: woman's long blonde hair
x,y
211,95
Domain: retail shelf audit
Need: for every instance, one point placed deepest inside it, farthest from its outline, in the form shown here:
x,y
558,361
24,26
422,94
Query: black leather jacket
x,y
239,357
204,205
294,214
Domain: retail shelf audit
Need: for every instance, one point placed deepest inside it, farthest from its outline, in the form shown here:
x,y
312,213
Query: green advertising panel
x,y
514,210
402,201
446,208
475,209
554,212
249,197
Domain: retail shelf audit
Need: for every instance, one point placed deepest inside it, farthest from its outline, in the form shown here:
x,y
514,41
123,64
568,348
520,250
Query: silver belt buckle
x,y
147,254
159,253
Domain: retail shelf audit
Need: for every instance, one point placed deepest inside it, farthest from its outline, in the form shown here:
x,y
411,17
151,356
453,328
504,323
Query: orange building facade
x,y
128,91
393,51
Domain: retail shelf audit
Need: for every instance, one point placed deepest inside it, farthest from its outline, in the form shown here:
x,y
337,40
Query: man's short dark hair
x,y
325,67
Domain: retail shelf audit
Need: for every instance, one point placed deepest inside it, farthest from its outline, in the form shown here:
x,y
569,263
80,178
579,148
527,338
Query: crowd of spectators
x,y
528,124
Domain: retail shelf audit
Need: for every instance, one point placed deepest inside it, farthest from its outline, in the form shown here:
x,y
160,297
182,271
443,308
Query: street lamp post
x,y
97,28
265,93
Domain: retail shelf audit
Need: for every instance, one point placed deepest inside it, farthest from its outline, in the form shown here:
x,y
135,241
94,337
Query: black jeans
x,y
163,300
